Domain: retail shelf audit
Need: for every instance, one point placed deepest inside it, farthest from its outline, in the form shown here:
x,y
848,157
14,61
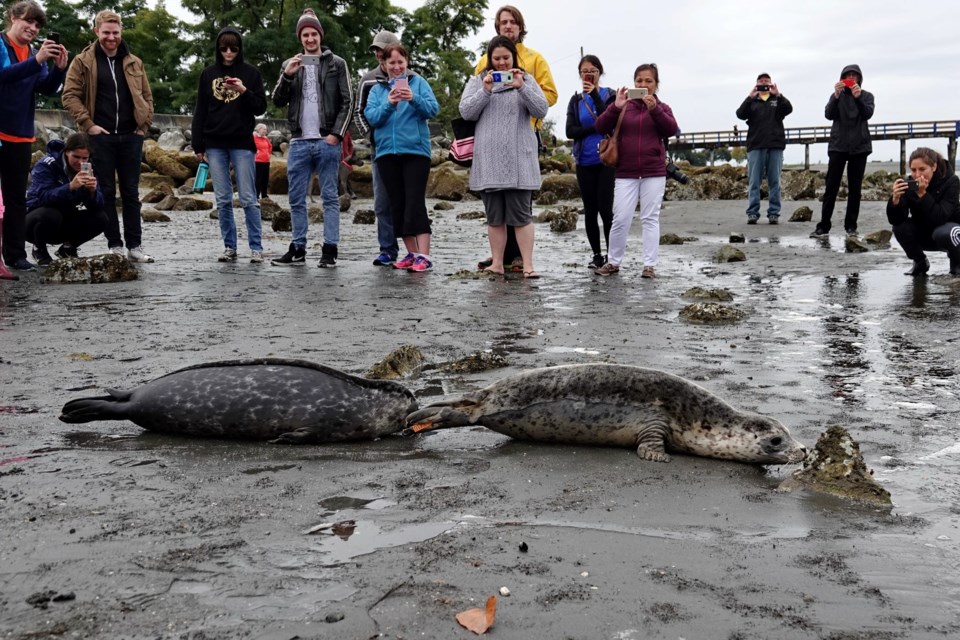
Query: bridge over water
x,y
807,136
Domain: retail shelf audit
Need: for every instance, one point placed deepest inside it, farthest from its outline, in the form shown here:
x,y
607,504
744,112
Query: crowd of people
x,y
105,88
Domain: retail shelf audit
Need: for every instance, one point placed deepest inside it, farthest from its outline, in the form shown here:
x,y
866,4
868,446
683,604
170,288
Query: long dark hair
x,y
506,43
932,158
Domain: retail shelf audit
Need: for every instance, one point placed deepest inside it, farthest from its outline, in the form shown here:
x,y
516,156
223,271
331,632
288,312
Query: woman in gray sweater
x,y
506,167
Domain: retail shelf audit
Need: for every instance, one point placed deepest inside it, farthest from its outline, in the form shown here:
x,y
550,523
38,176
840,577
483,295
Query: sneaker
x,y
383,260
648,272
406,262
773,219
752,219
852,232
820,233
256,257
328,257
118,251
66,252
295,256
421,264
228,255
607,270
598,261
41,255
23,265
137,254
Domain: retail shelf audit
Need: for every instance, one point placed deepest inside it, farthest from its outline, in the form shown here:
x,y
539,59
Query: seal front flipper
x,y
111,407
651,442
443,415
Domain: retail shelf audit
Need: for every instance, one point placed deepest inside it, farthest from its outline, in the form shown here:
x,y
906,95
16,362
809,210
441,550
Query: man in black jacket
x,y
315,88
764,110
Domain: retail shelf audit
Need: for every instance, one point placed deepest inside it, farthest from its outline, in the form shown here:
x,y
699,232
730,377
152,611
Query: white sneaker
x,y
256,257
137,254
118,251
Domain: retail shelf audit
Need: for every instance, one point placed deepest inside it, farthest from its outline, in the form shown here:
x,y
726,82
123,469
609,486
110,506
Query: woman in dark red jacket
x,y
642,171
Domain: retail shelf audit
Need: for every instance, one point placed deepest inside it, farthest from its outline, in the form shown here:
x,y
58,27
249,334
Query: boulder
x,y
472,215
151,180
710,295
92,270
158,194
345,202
547,198
446,183
152,215
400,363
853,244
729,253
165,162
268,209
315,213
172,140
361,181
800,185
281,221
564,186
737,237
802,214
277,184
476,362
881,238
711,313
442,206
670,238
564,222
364,216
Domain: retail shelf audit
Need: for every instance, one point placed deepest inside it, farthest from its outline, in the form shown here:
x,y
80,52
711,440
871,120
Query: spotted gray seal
x,y
288,401
616,405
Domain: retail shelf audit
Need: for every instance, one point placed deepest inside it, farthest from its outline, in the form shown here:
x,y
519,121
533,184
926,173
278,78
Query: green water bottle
x,y
200,182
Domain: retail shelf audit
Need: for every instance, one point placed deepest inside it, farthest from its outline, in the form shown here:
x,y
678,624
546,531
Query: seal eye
x,y
776,441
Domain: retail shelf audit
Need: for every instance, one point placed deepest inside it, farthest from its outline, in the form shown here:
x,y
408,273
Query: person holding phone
x,y
24,72
398,108
850,108
642,171
65,200
924,211
229,98
594,178
764,109
506,167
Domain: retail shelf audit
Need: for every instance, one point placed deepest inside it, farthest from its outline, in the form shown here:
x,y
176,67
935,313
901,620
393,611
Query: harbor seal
x,y
285,401
616,405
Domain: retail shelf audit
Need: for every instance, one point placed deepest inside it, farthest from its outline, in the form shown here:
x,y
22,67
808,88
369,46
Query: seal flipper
x,y
443,415
110,407
651,442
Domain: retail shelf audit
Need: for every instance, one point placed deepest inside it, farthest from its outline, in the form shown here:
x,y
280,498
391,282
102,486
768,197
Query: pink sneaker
x,y
405,263
421,264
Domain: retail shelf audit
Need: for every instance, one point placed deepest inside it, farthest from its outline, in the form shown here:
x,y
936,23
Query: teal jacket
x,y
401,128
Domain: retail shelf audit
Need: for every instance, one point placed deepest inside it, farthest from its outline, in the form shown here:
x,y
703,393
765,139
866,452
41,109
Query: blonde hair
x,y
107,15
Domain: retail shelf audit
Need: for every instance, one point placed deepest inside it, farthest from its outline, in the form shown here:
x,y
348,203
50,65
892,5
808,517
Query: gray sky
x,y
709,54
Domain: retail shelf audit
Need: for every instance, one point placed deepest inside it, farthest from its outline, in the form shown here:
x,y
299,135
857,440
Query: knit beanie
x,y
309,19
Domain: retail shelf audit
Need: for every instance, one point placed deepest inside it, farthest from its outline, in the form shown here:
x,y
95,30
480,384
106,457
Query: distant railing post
x,y
806,157
903,156
952,153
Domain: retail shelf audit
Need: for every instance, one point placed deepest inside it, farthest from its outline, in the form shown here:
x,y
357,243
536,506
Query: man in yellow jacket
x,y
508,22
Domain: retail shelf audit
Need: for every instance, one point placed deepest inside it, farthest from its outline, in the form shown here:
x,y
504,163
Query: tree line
x,y
175,51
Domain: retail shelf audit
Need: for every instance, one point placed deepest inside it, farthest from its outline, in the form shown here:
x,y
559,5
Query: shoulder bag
x,y
609,148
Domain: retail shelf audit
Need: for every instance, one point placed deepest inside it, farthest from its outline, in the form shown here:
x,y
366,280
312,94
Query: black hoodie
x,y
223,117
850,133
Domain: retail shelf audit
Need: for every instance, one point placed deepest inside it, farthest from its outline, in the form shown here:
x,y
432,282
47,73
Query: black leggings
x,y
856,166
263,179
596,190
46,225
405,177
14,170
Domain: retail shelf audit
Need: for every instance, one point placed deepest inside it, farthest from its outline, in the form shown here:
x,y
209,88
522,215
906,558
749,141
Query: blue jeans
x,y
246,174
118,157
381,208
760,162
305,158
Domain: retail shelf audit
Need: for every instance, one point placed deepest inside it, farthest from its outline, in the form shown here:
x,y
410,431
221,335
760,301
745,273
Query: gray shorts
x,y
513,207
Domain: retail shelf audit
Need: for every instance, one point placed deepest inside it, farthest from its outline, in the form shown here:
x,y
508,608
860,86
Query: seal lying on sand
x,y
616,405
289,401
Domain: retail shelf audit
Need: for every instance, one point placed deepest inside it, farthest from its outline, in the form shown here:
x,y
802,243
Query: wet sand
x,y
163,537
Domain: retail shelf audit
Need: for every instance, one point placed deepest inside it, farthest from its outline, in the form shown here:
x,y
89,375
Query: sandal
x,y
492,272
483,264
530,275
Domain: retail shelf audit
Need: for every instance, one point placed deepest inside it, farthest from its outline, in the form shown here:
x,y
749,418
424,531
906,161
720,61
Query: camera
x,y
912,185
502,77
763,87
54,36
673,171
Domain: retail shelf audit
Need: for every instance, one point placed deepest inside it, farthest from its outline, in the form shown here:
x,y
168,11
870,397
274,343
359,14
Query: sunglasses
x,y
229,48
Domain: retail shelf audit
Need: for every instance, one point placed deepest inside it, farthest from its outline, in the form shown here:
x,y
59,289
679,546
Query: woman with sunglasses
x,y
642,171
594,178
229,98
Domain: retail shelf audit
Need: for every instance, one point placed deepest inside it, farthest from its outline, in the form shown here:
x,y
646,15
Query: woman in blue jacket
x,y
398,108
65,201
24,72
594,178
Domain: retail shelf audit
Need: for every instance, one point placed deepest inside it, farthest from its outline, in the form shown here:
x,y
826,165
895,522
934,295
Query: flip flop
x,y
530,275
483,264
491,271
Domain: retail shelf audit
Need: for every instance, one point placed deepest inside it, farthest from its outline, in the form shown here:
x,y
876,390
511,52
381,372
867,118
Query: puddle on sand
x,y
339,503
369,536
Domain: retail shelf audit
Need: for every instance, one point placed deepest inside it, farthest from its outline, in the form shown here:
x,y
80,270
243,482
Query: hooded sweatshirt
x,y
850,133
223,117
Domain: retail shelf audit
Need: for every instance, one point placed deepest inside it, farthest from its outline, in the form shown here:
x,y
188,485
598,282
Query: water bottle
x,y
200,182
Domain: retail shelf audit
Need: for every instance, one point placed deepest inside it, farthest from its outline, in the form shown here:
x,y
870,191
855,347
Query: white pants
x,y
626,192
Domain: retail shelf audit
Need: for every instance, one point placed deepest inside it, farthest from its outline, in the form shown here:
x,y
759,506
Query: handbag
x,y
609,147
461,149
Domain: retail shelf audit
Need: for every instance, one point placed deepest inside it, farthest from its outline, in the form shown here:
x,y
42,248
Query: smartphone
x,y
311,60
763,87
635,93
849,81
589,77
54,37
86,167
502,77
912,184
400,83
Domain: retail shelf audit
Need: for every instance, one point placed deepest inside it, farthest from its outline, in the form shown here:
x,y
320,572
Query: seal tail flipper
x,y
441,415
110,407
